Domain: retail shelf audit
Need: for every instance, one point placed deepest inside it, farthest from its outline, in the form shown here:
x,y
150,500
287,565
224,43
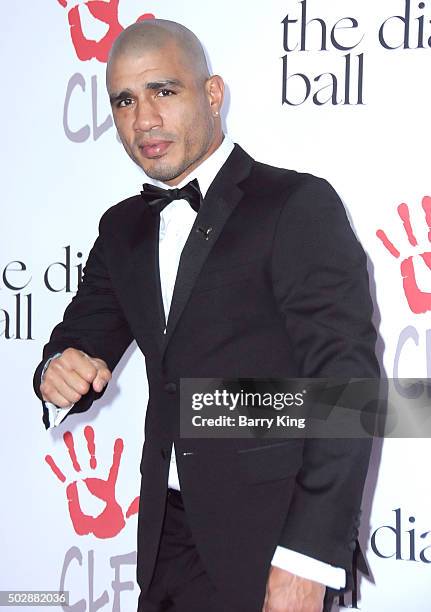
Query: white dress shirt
x,y
176,221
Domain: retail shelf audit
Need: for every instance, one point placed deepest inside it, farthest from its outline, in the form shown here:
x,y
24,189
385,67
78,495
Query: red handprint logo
x,y
107,12
419,301
111,520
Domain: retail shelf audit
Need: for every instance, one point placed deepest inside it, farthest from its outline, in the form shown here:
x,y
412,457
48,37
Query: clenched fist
x,y
70,376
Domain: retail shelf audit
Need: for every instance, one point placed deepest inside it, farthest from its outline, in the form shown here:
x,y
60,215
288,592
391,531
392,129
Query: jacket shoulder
x,y
283,184
123,212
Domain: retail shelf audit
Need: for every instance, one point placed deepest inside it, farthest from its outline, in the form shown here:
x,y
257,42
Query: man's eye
x,y
165,92
124,102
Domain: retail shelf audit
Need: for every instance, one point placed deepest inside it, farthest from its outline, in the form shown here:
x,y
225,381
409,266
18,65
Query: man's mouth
x,y
154,148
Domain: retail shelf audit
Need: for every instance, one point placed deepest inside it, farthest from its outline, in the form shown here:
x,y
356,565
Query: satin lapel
x,y
219,203
146,274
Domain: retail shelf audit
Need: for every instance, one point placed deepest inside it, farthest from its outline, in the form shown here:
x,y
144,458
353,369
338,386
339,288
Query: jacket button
x,y
164,453
352,545
170,387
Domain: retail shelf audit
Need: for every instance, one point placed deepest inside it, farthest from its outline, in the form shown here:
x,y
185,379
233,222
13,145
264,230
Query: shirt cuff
x,y
307,567
56,414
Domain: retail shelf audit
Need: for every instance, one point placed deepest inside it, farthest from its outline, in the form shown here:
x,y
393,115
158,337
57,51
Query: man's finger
x,y
102,379
56,398
80,363
56,383
61,372
62,387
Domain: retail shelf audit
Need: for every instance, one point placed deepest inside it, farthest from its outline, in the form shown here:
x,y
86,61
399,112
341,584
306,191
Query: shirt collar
x,y
206,172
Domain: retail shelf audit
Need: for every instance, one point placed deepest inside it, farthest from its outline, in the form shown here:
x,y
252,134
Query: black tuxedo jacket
x,y
280,289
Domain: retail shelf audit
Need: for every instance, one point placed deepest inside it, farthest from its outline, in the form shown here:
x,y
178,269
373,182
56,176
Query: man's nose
x,y
146,116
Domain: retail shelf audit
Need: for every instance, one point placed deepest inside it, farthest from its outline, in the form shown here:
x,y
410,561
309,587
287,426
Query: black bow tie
x,y
158,198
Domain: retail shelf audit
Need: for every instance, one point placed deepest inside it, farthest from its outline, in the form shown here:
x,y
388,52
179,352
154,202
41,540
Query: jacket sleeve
x,y
93,322
321,287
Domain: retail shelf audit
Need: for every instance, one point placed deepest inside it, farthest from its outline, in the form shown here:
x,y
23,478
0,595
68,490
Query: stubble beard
x,y
166,172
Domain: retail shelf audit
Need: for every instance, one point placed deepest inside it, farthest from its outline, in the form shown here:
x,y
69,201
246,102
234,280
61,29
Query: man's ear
x,y
215,91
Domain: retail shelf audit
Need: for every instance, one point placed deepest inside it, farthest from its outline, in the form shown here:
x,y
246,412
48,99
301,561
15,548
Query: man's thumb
x,y
102,377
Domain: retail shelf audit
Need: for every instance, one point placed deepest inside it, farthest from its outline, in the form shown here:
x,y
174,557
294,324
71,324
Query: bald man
x,y
222,267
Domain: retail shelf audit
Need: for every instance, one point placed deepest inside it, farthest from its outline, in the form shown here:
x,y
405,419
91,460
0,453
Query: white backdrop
x,y
63,166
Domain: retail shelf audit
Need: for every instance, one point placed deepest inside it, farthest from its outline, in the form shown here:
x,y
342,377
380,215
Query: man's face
x,y
163,115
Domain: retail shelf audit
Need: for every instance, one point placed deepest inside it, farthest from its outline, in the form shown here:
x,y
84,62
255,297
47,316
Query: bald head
x,y
158,34
165,105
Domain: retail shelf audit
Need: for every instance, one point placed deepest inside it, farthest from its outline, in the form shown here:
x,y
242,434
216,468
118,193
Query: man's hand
x,y
71,375
286,592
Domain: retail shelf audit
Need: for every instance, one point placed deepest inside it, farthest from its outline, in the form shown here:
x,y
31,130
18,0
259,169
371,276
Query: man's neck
x,y
207,170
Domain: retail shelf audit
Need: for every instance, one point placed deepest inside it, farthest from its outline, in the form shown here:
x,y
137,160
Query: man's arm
x,y
321,286
92,338
307,567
